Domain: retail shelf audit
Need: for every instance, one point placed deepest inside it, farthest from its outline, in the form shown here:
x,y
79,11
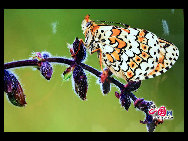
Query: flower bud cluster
x,y
78,53
44,66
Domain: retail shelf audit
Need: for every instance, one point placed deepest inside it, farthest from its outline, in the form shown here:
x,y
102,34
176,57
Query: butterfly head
x,y
86,23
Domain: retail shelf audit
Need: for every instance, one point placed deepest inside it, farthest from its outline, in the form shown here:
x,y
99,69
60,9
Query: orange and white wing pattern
x,y
130,53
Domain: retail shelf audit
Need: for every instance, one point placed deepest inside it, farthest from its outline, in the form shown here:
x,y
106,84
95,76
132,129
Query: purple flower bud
x,y
45,55
151,122
151,126
37,55
13,89
138,102
117,95
125,100
46,69
80,82
149,118
78,51
132,85
141,104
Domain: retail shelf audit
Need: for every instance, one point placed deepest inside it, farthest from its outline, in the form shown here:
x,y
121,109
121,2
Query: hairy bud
x,y
132,85
13,89
46,69
124,99
80,82
78,50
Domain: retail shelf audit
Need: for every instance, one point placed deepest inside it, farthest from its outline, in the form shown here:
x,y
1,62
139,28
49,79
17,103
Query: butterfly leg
x,y
100,57
106,72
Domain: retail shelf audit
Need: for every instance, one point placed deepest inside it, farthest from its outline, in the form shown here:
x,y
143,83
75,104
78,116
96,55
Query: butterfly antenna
x,y
126,25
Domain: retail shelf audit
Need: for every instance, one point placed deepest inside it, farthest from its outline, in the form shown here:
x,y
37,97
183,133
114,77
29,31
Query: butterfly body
x,y
130,53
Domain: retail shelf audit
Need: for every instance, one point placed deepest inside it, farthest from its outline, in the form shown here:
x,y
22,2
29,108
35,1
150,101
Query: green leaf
x,y
67,73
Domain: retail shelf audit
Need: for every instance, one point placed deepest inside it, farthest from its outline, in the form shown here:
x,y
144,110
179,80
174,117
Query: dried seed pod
x,y
13,89
80,82
46,70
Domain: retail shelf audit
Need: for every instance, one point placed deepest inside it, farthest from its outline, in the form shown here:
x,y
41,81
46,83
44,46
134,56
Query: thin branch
x,y
34,62
21,63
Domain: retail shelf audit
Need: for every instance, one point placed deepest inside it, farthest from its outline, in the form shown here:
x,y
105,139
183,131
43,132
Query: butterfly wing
x,y
135,54
168,55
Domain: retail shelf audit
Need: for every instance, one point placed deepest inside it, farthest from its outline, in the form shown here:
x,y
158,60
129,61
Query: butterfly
x,y
129,53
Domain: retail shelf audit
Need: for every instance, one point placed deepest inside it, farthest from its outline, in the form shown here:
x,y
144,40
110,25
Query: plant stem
x,y
21,63
34,62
